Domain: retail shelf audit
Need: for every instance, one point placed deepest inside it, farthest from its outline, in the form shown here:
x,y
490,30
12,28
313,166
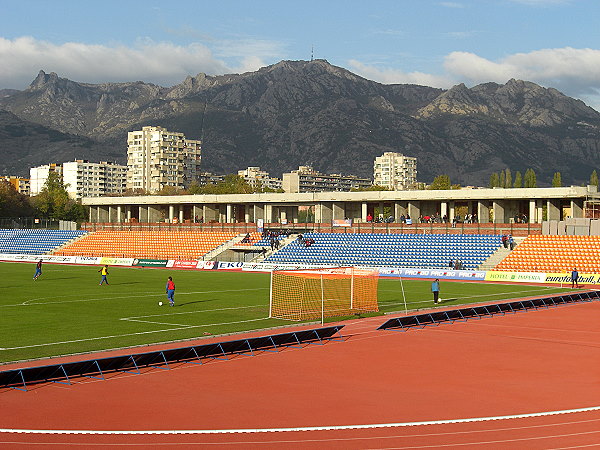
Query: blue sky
x,y
555,43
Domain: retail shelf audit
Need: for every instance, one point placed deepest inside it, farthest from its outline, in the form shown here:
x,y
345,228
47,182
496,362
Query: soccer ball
x,y
159,303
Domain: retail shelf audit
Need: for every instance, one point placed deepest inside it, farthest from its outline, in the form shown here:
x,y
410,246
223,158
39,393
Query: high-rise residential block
x,y
255,177
158,158
306,179
85,179
395,171
39,175
21,185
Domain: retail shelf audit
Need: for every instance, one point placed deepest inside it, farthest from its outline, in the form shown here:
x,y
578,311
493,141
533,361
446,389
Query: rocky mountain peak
x,y
43,79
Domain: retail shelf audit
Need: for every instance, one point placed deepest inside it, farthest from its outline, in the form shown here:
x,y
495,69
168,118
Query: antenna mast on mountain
x,y
312,52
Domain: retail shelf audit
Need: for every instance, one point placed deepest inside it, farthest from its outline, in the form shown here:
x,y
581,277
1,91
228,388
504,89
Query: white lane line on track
x,y
296,429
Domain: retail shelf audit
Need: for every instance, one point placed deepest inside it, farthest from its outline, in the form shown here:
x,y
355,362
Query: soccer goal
x,y
320,293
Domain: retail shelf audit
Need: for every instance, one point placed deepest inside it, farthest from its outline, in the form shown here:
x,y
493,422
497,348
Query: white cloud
x,y
575,72
162,63
395,76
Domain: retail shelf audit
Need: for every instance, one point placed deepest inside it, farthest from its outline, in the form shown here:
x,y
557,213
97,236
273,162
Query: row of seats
x,y
554,253
148,244
389,250
33,241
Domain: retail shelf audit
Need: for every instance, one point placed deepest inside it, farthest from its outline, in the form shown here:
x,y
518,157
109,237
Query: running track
x,y
527,380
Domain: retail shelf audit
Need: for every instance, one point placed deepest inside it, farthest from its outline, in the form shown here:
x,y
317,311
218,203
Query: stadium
x,y
302,335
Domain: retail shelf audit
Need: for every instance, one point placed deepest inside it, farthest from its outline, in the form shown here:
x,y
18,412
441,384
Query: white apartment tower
x,y
85,179
395,171
39,175
157,158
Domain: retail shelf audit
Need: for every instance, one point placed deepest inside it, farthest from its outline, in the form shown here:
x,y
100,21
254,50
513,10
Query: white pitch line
x,y
132,334
470,296
296,429
139,294
195,312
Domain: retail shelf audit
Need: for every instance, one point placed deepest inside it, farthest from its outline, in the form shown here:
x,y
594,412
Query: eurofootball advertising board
x,y
546,278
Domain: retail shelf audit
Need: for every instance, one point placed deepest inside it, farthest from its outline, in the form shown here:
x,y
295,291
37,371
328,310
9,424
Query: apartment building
x,y
307,179
158,158
395,171
21,185
39,175
86,179
255,176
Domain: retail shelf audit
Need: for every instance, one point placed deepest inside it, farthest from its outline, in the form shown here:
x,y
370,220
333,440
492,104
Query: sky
x,y
555,43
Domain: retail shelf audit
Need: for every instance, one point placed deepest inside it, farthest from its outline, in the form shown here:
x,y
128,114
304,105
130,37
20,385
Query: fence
x,y
516,229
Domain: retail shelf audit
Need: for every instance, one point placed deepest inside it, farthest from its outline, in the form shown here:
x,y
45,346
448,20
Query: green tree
x,y
231,184
194,188
556,180
169,190
530,179
374,187
54,202
12,202
502,179
594,178
518,180
494,180
507,178
440,182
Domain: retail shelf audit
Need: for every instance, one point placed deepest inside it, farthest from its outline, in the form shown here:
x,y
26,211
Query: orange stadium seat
x,y
553,253
148,244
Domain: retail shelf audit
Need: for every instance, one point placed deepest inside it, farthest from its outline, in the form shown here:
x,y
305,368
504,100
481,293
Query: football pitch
x,y
66,311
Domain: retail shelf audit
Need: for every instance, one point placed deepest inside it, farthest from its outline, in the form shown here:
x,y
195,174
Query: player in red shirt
x,y
170,288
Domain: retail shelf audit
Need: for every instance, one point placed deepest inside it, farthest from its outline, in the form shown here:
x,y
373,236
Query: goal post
x,y
318,293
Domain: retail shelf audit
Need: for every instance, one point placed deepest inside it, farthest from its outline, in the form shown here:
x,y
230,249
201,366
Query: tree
x,y
494,180
194,188
374,187
440,182
518,180
507,178
530,179
231,184
556,180
594,178
54,202
169,190
502,180
12,202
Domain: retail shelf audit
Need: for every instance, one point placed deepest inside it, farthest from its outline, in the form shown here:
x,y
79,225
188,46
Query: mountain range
x,y
309,113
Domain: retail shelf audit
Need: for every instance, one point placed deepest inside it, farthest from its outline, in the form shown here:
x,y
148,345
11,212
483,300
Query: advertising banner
x,y
116,261
341,223
92,260
219,265
177,264
432,273
144,262
565,278
516,277
34,258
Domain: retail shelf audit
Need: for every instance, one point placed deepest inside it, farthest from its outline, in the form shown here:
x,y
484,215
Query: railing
x,y
516,229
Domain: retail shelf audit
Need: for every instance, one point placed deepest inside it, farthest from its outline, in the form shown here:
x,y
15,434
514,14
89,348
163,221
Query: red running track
x,y
374,390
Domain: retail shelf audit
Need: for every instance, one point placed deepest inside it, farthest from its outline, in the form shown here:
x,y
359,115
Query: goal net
x,y
311,294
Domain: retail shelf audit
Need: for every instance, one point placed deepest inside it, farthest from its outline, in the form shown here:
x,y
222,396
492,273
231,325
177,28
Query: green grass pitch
x,y
65,311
